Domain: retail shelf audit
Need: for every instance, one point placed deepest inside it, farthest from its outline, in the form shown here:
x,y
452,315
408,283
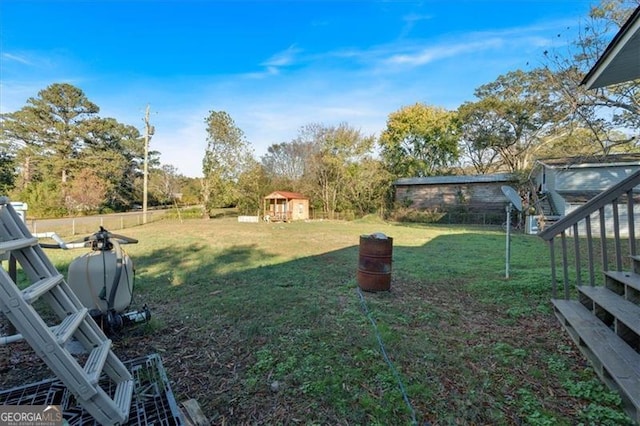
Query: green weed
x,y
262,324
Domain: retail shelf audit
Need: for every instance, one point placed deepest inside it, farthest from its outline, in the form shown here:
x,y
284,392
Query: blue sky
x,y
274,66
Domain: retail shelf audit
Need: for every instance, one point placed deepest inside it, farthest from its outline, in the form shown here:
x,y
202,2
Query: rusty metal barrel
x,y
374,262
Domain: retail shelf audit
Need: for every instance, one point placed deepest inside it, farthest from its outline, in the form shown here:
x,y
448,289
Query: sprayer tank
x,y
91,277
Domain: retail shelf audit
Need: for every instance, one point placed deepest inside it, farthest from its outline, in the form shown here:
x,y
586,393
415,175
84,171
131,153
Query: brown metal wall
x,y
475,196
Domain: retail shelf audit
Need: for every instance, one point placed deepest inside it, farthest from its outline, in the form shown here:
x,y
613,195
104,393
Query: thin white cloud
x,y
16,58
273,65
42,62
358,85
434,53
284,58
410,22
267,72
419,53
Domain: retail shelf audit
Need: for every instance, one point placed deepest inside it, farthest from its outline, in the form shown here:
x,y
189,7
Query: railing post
x,y
631,221
571,223
554,281
587,224
576,247
565,266
616,234
603,240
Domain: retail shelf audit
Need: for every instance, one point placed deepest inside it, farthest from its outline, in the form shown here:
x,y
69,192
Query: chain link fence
x,y
66,227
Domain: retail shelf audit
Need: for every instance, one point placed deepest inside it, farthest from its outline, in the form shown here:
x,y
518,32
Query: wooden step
x,y
615,311
37,289
624,283
18,244
635,260
95,361
615,362
69,325
624,310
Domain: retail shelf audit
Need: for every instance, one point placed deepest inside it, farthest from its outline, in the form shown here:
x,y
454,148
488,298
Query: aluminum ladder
x,y
50,286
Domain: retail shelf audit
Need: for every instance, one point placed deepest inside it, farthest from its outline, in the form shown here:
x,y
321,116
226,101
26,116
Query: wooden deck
x,y
601,311
278,217
614,360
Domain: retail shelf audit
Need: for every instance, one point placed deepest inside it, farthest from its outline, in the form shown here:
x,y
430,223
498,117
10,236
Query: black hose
x,y
116,278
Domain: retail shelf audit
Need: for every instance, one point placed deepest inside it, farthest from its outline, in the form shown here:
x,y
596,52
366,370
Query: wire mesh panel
x,y
152,402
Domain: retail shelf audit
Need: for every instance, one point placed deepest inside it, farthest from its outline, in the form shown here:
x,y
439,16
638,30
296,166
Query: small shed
x,y
478,193
284,206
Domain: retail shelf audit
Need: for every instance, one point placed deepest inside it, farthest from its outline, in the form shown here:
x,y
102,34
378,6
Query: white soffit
x,y
620,62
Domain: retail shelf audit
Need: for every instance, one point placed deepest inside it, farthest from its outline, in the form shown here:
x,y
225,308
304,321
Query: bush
x,y
456,216
189,213
348,215
403,214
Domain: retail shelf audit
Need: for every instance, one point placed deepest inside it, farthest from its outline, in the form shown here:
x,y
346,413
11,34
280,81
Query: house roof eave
x,y
617,160
619,62
285,195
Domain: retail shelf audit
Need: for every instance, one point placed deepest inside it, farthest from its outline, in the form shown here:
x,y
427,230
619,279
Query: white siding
x,y
608,214
590,179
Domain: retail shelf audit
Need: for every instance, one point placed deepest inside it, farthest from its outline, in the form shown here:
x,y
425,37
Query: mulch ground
x,y
208,365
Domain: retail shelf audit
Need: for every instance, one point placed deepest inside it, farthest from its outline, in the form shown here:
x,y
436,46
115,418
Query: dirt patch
x,y
476,357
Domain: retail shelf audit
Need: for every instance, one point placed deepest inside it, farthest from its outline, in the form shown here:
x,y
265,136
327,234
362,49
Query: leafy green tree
x,y
115,151
253,185
165,184
86,193
288,164
44,199
50,128
226,157
605,120
513,117
419,140
370,187
288,160
57,136
7,176
479,158
335,148
190,190
333,165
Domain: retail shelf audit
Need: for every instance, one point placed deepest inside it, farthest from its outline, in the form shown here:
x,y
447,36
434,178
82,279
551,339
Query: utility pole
x,y
148,132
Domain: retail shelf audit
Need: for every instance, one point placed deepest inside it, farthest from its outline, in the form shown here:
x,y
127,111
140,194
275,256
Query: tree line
x,y
61,157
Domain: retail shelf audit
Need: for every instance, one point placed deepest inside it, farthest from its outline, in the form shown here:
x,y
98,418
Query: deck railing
x,y
280,216
609,217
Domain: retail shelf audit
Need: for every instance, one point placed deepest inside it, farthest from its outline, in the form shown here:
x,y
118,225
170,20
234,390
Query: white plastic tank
x,y
91,278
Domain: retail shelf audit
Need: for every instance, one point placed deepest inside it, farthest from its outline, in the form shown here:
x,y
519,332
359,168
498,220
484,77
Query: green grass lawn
x,y
264,324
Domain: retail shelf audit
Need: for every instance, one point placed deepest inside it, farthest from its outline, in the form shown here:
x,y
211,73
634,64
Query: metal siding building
x,y
478,193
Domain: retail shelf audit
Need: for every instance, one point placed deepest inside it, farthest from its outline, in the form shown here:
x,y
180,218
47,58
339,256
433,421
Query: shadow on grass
x,y
260,338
